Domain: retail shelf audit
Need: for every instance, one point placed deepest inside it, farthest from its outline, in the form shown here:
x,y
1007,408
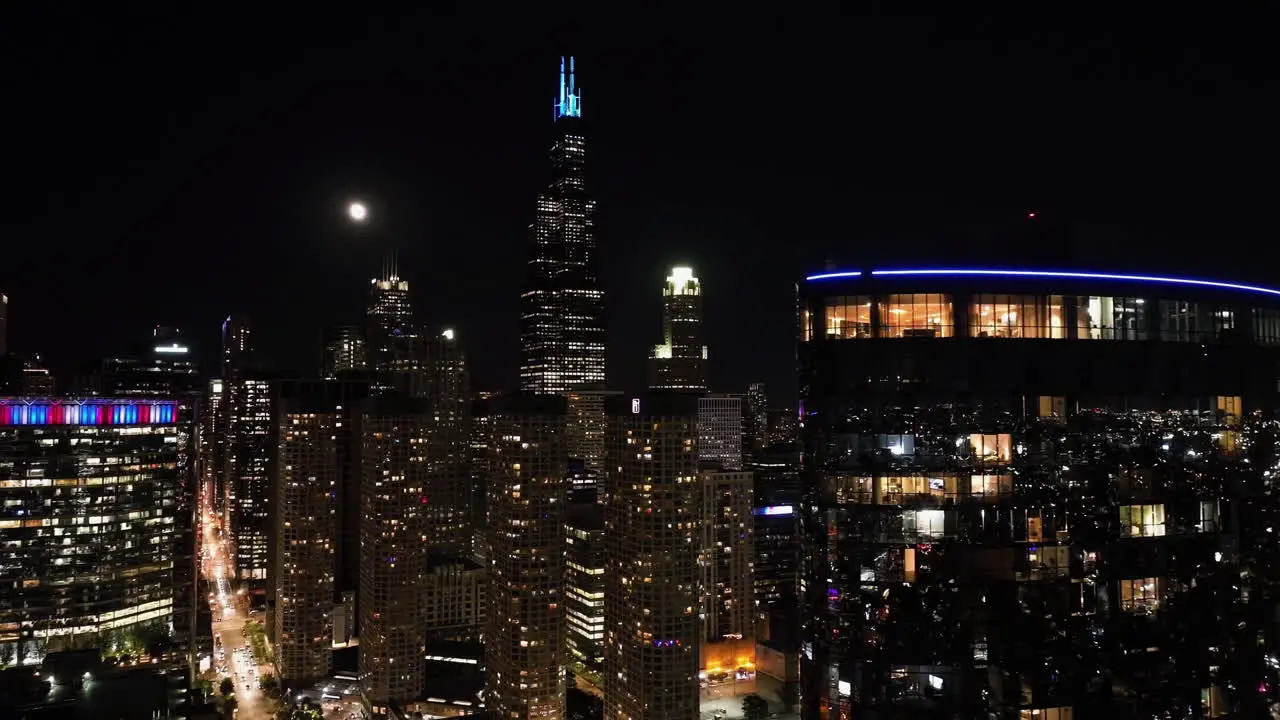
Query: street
x,y
233,654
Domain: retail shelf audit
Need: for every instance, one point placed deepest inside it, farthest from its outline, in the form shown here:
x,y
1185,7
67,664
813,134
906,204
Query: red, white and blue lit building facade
x,y
87,412
90,492
1038,494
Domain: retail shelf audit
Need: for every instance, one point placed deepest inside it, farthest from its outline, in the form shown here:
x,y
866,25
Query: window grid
x,y
916,315
1142,521
849,317
1266,326
1016,316
1111,318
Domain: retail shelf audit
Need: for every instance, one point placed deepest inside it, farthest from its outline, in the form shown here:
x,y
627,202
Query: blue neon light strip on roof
x,y
1056,274
834,275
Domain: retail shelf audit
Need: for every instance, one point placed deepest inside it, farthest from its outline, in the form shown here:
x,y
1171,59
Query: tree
x,y
270,685
306,710
227,687
755,707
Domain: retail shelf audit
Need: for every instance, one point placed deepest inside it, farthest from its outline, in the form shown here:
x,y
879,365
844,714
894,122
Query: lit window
x,y
1140,595
1058,713
991,486
1016,316
849,317
919,316
1229,407
1142,520
924,523
1052,561
1208,516
1111,318
992,447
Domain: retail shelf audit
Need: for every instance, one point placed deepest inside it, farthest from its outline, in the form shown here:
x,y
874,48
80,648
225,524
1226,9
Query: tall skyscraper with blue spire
x,y
562,339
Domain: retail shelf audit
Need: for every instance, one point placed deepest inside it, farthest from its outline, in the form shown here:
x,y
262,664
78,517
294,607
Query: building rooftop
x,y
1044,274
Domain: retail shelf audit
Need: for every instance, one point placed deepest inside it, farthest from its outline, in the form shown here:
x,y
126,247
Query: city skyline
x,y
946,148
902,367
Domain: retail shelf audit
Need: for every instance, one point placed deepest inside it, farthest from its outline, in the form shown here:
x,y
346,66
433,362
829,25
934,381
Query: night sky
x,y
173,169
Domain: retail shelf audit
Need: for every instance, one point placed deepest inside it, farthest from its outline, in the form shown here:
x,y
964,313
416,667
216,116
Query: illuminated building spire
x,y
570,102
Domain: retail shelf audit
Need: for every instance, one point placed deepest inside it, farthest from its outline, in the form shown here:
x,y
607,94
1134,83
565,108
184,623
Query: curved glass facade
x,y
1001,520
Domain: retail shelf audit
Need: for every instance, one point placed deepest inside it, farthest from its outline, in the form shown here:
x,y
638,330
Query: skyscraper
x,y
562,342
395,434
308,473
164,366
584,558
344,350
314,548
652,506
680,362
389,315
235,346
249,487
726,552
528,462
757,418
4,324
586,426
212,449
720,431
95,525
1027,494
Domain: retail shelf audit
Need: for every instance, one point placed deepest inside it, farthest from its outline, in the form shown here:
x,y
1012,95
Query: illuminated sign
x,y
88,412
174,349
635,406
776,510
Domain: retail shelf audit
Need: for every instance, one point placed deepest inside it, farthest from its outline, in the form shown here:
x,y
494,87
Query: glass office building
x,y
1037,495
90,491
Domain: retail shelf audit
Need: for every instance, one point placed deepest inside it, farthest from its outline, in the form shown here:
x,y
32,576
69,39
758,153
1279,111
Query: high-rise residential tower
x,y
313,553
726,555
680,362
395,433
562,337
586,426
652,507
308,475
4,325
528,464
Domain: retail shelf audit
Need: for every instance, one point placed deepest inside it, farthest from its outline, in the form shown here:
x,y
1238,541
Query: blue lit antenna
x,y
570,102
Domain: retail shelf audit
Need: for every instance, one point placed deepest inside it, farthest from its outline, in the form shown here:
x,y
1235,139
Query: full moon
x,y
357,212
